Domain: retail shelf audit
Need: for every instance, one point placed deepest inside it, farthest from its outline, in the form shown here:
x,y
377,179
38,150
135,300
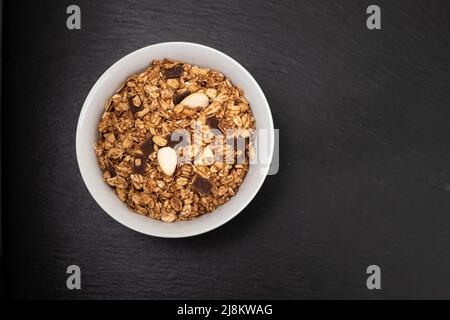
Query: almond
x,y
196,99
167,160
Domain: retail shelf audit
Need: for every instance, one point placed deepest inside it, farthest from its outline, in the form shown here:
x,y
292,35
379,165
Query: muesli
x,y
176,140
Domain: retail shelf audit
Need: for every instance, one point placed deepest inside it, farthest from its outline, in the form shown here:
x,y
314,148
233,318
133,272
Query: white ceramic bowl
x,y
110,81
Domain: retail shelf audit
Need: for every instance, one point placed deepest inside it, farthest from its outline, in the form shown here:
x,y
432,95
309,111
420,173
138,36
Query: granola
x,y
175,141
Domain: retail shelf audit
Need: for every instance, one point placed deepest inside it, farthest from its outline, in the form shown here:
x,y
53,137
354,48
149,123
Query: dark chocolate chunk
x,y
139,163
201,185
212,122
174,72
134,108
147,147
180,96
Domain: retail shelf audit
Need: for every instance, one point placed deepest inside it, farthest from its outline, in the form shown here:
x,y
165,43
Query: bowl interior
x,y
105,87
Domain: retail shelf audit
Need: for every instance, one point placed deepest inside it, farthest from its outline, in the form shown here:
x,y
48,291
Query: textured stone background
x,y
364,167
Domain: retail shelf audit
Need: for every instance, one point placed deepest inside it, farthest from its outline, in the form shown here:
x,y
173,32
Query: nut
x,y
167,160
197,99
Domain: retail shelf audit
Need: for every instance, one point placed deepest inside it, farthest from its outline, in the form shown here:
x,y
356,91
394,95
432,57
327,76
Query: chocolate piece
x,y
180,96
174,72
147,147
134,108
139,163
201,185
212,122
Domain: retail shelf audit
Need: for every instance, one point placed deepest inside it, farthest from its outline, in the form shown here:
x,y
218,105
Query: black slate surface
x,y
364,178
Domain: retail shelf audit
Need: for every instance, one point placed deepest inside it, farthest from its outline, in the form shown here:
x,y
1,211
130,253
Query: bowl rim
x,y
212,226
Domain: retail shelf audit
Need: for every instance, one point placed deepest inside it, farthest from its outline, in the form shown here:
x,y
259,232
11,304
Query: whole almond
x,y
167,160
196,99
